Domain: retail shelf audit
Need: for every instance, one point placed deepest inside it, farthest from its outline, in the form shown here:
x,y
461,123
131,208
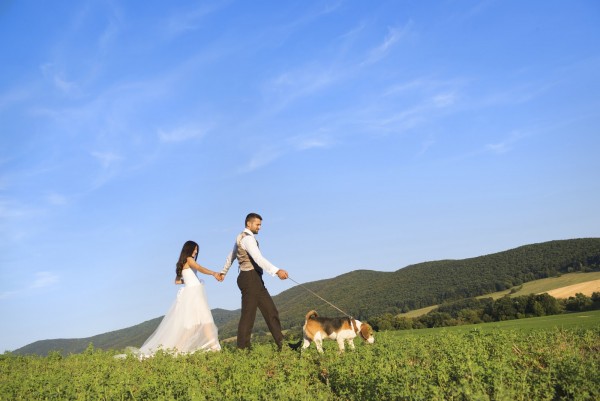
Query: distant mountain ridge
x,y
367,293
118,339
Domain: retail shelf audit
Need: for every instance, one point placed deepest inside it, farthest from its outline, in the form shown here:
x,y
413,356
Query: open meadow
x,y
548,358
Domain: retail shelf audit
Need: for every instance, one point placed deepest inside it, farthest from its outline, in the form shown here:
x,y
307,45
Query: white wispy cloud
x,y
111,121
10,209
111,166
313,14
475,11
393,36
425,147
64,85
44,279
408,86
110,34
337,67
7,294
518,93
56,199
403,107
291,85
329,8
406,105
444,99
395,121
319,74
41,280
15,95
107,159
506,144
348,39
278,34
57,77
181,134
190,19
261,158
500,147
312,143
283,144
427,86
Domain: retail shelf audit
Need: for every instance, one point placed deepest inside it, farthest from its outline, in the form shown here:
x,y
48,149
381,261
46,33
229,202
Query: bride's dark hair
x,y
186,251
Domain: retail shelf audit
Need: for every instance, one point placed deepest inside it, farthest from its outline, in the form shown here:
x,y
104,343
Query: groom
x,y
250,282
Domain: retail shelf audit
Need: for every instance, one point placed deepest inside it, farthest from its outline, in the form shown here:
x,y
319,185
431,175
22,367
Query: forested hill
x,y
366,293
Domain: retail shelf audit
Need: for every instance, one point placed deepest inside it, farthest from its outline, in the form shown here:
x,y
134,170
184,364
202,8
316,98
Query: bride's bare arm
x,y
194,265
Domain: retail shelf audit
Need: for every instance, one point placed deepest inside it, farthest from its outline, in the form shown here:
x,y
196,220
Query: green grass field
x,y
583,320
546,358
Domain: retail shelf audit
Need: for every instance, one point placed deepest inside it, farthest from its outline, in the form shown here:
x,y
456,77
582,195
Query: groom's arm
x,y
229,261
250,245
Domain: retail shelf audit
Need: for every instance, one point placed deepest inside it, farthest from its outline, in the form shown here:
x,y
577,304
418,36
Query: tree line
x,y
474,310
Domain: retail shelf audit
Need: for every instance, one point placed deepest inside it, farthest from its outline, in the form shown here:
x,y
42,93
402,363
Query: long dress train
x,y
188,326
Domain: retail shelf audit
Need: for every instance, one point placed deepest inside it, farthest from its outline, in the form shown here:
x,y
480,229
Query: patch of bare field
x,y
586,289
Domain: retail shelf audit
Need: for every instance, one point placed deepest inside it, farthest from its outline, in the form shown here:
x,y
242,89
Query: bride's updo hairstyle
x,y
186,251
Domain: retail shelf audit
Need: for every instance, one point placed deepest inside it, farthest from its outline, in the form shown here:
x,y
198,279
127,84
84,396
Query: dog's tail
x,y
311,315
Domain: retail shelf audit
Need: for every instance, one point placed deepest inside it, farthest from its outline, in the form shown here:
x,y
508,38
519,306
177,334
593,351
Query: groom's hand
x,y
282,274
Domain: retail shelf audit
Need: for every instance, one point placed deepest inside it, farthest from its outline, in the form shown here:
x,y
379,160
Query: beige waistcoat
x,y
244,259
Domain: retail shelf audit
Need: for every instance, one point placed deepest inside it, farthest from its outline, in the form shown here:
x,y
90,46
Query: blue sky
x,y
369,135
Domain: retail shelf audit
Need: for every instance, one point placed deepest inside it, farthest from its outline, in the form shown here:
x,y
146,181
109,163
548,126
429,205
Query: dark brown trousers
x,y
255,295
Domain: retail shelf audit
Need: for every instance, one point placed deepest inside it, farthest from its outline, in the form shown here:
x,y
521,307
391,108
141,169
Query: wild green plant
x,y
471,364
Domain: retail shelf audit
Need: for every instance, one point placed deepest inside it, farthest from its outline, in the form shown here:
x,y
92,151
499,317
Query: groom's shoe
x,y
292,346
295,346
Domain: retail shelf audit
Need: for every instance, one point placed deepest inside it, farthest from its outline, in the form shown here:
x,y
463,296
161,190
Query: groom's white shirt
x,y
250,245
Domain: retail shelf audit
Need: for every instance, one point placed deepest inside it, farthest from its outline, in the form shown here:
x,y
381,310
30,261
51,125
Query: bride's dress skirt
x,y
188,326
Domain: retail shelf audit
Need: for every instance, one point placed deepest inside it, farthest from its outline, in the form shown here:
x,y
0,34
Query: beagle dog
x,y
342,330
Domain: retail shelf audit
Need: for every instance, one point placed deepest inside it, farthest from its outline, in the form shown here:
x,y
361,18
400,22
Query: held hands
x,y
218,276
282,274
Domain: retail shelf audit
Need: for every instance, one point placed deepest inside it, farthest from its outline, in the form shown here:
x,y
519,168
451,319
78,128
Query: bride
x,y
188,326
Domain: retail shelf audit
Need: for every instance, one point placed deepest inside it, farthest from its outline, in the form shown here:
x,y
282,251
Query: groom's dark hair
x,y
252,216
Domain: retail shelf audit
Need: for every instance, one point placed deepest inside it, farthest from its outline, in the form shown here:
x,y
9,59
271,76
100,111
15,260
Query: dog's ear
x,y
366,331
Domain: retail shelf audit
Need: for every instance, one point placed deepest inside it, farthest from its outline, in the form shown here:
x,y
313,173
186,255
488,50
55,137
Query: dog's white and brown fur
x,y
342,330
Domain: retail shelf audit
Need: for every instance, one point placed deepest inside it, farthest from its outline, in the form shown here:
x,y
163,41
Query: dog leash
x,y
320,297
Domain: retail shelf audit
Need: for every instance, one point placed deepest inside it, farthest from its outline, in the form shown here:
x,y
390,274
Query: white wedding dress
x,y
188,326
